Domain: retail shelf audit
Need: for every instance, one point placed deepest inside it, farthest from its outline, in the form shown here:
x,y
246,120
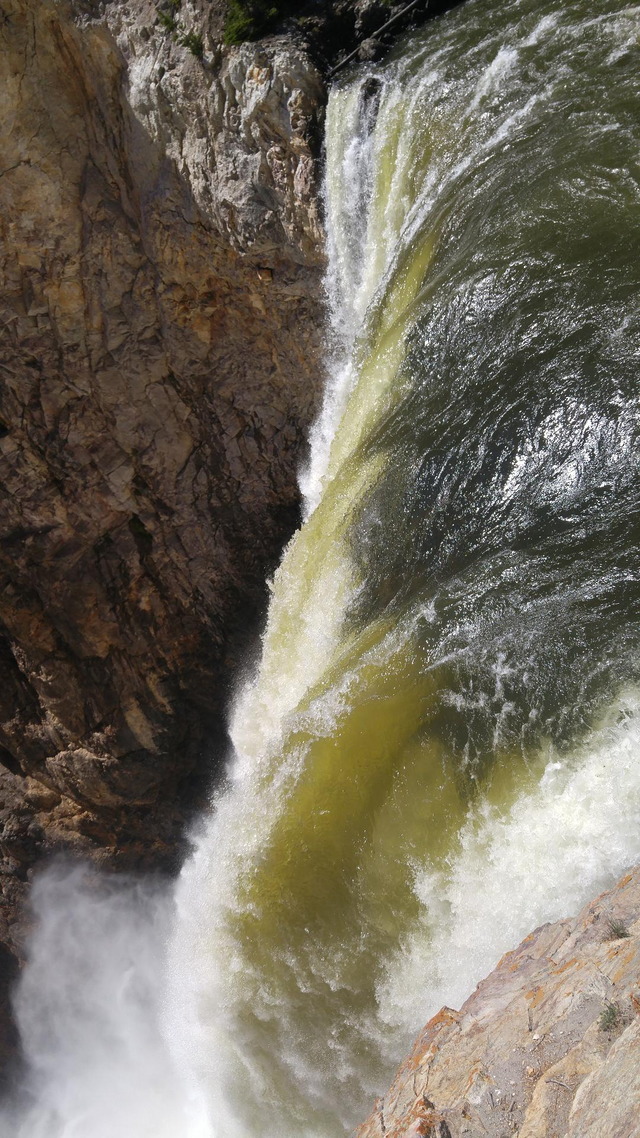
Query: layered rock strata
x,y
548,1046
160,314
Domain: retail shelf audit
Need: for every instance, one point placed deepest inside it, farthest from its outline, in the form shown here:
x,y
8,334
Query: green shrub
x,y
610,1017
194,42
617,930
250,19
167,20
167,14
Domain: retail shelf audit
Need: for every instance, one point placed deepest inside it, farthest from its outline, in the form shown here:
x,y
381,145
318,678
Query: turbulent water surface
x,y
440,746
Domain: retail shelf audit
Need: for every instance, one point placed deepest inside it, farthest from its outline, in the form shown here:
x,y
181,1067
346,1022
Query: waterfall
x,y
439,747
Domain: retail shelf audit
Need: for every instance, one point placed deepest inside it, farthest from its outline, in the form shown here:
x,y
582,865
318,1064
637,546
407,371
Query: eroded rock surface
x,y
160,315
548,1046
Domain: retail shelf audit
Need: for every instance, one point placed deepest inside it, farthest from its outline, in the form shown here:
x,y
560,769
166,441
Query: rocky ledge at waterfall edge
x,y
548,1046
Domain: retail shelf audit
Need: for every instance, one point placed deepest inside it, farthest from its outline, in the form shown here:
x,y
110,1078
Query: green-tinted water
x,y
460,610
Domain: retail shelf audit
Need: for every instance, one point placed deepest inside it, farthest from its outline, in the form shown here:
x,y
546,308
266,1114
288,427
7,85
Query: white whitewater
x,y
362,865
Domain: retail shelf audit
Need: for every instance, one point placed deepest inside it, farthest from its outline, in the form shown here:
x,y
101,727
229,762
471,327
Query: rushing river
x,y
440,747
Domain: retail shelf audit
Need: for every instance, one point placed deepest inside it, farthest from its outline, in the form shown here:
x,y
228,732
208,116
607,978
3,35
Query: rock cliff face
x,y
546,1047
160,313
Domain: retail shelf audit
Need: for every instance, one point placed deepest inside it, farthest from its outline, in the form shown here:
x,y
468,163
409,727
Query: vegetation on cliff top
x,y
332,28
250,19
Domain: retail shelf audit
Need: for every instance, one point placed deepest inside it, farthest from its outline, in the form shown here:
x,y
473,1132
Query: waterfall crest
x,y
439,747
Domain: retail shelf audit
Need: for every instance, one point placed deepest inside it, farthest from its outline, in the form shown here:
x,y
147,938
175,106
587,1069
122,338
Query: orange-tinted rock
x,y
547,1046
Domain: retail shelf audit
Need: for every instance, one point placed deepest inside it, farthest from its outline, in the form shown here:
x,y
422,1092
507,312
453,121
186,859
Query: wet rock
x,y
369,50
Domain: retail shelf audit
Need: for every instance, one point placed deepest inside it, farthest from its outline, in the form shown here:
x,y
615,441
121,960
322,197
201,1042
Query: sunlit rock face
x,y
546,1045
160,312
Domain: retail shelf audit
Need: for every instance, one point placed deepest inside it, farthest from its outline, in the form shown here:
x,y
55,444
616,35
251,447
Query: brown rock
x,y
160,317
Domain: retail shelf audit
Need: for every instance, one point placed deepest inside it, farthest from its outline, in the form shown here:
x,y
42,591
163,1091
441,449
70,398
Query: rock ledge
x,y
548,1046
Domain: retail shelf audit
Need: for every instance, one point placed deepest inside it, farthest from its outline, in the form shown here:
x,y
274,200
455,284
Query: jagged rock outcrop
x,y
546,1047
160,314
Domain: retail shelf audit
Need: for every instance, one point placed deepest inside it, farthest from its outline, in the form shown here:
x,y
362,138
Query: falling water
x,y
439,748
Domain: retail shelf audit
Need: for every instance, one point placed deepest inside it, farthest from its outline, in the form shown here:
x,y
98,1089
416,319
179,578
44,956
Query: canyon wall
x,y
160,318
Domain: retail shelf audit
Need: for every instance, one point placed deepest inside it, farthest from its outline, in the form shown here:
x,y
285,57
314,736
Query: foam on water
x,y
557,846
121,1043
90,1013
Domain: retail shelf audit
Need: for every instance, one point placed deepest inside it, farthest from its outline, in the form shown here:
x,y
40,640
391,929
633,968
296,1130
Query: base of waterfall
x,y
546,1045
